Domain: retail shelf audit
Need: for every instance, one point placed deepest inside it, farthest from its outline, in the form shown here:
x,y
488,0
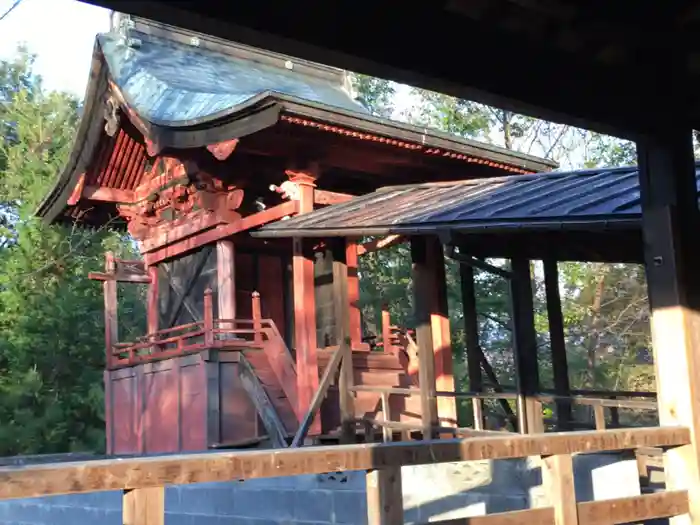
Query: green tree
x,y
51,320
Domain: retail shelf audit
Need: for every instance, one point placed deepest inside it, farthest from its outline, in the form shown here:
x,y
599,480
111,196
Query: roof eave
x,y
466,227
410,133
55,203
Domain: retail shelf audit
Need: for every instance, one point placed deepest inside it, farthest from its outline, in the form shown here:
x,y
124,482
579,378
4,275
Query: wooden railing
x,y
599,404
143,479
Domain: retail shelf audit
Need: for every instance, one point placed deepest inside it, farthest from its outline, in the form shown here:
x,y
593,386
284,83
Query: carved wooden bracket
x,y
181,193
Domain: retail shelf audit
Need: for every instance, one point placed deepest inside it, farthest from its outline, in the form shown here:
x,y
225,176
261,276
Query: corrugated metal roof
x,y
580,199
171,83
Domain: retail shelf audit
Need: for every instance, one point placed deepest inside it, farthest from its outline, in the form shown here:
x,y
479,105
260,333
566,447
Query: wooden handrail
x,y
180,469
328,374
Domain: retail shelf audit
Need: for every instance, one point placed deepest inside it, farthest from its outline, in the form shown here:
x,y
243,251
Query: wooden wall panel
x,y
121,418
271,285
193,406
160,401
245,284
238,415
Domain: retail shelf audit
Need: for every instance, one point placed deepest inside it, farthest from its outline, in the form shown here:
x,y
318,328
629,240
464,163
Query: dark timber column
x,y
560,365
671,223
305,306
525,348
471,336
343,338
423,301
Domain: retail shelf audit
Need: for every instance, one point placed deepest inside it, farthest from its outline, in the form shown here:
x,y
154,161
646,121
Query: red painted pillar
x,y
354,295
305,306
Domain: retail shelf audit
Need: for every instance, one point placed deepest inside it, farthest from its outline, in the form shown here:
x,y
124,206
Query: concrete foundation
x,y
431,493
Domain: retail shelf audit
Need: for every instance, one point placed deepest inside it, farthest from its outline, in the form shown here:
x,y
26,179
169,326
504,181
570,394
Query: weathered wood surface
x,y
156,471
606,512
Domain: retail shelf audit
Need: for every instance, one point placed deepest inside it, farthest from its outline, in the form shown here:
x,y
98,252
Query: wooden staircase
x,y
275,385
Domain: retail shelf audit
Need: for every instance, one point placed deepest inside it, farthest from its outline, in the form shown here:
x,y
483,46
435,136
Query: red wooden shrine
x,y
215,141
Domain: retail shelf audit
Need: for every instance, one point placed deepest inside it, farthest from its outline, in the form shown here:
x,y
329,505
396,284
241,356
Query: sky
x,y
60,32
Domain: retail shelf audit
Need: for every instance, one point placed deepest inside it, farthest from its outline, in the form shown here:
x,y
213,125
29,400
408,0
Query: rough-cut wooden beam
x,y
378,244
156,471
324,197
221,232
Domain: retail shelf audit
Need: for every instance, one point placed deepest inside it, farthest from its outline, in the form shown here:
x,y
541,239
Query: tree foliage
x,y
51,315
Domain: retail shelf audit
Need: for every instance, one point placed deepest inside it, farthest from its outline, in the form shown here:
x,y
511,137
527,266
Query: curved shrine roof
x,y
184,90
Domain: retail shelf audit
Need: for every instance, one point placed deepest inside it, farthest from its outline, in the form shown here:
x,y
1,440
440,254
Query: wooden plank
x,y
558,476
525,348
155,471
471,336
384,497
145,506
422,304
634,509
319,395
271,420
557,343
670,222
325,197
607,512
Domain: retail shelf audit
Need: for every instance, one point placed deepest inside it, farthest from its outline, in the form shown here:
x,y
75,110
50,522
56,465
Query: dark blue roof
x,y
172,83
576,200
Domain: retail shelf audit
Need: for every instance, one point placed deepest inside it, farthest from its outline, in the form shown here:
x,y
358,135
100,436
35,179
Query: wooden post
x,y
386,329
471,335
152,301
557,343
442,341
670,222
226,283
354,295
558,477
384,497
111,309
343,323
304,301
422,302
257,316
144,506
208,318
525,349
